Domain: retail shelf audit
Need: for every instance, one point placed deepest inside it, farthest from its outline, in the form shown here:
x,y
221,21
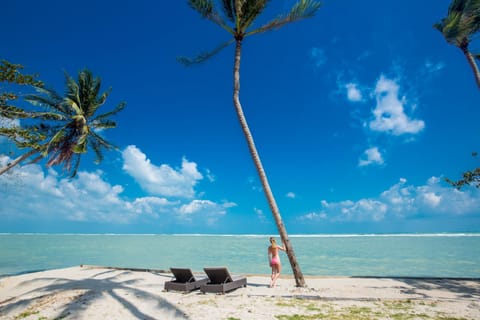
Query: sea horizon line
x,y
300,235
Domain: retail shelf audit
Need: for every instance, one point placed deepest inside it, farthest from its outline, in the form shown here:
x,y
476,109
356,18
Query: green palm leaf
x,y
76,165
105,124
207,10
202,57
250,11
72,98
303,9
229,9
97,139
117,109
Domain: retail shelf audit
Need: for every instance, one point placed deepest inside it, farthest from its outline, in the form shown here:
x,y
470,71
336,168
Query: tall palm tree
x,y
73,126
238,18
458,28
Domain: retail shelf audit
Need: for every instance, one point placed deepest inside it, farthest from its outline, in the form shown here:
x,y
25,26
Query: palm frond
x,y
10,72
81,146
23,137
229,10
251,9
105,124
37,159
75,166
72,96
12,112
204,7
117,109
204,56
55,140
75,107
101,100
207,10
303,9
47,98
461,22
89,91
101,141
51,99
98,151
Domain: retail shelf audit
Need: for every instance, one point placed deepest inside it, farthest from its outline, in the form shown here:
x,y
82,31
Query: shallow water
x,y
437,255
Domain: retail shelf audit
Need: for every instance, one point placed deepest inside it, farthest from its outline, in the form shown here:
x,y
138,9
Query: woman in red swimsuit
x,y
274,259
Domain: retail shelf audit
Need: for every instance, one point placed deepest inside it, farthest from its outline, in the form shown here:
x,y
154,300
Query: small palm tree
x,y
458,28
73,125
241,15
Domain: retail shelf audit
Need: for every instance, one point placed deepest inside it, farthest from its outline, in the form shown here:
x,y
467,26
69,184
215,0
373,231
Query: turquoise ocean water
x,y
432,255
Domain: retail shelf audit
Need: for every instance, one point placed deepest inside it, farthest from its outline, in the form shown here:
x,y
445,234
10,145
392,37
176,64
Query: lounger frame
x,y
184,280
221,281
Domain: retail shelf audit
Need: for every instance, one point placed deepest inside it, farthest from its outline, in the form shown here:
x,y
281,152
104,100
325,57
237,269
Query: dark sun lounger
x,y
221,281
184,280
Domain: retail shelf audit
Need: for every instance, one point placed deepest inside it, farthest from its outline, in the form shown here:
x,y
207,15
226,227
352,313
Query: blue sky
x,y
358,114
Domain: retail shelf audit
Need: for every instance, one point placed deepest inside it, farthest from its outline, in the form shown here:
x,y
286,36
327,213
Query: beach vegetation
x,y
62,127
26,314
238,20
469,178
395,310
211,302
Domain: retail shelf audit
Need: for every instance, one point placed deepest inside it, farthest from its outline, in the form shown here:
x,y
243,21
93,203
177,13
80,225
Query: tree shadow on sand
x,y
463,288
456,286
93,289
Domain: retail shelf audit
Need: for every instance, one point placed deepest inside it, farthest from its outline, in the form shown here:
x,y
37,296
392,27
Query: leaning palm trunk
x,y
299,279
17,161
473,65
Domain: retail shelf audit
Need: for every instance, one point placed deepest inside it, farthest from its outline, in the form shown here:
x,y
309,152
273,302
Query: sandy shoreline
x,y
104,293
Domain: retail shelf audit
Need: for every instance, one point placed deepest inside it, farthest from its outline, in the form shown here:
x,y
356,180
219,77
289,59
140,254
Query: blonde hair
x,y
273,242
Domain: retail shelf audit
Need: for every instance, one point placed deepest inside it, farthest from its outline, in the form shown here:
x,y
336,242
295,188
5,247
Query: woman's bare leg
x,y
273,275
277,274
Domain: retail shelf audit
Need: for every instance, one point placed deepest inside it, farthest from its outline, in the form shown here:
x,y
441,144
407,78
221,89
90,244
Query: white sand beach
x,y
106,293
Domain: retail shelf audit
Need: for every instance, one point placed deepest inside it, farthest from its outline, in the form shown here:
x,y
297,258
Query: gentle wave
x,y
340,235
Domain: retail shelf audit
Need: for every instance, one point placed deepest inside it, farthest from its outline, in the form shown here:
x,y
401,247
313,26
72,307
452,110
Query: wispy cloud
x,y
371,156
314,216
318,57
390,111
290,195
402,200
253,182
206,209
260,215
161,180
433,67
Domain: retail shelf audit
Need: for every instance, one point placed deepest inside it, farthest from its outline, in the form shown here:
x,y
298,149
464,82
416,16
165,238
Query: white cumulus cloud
x,y
371,156
28,192
161,180
403,200
353,93
389,113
